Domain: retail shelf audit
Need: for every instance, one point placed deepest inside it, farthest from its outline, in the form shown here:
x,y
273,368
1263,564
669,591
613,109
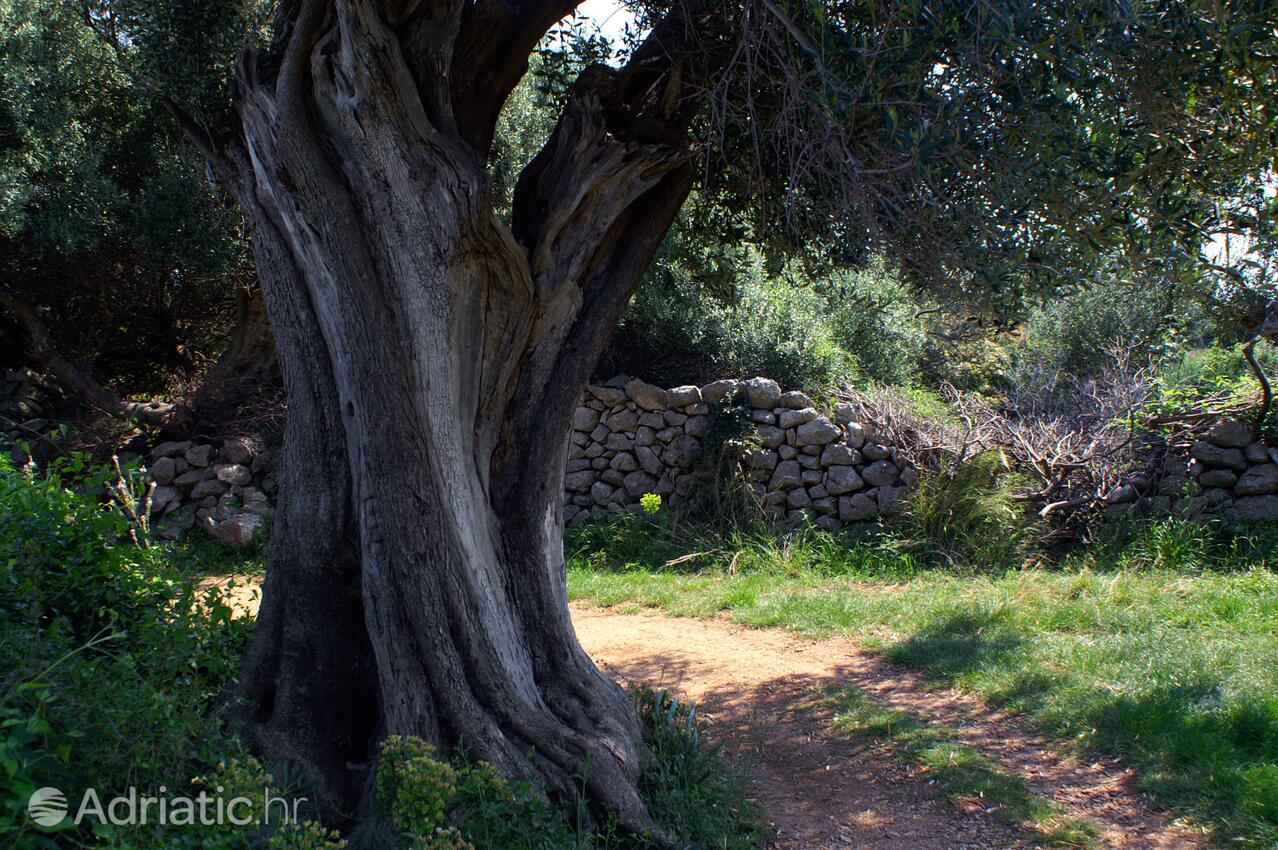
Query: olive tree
x,y
433,352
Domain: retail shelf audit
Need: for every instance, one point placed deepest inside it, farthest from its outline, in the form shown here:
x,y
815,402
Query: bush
x,y
430,803
70,561
966,515
110,661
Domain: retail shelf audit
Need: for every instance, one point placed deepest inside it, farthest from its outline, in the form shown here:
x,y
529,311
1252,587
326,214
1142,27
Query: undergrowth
x,y
113,665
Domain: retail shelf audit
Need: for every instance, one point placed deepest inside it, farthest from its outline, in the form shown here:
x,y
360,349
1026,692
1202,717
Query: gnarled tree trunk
x,y
432,357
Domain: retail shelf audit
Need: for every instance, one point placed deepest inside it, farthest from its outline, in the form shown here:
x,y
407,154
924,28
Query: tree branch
x,y
493,44
171,417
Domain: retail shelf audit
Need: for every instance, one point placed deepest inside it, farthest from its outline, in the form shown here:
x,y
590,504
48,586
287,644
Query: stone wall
x,y
225,488
1235,474
630,438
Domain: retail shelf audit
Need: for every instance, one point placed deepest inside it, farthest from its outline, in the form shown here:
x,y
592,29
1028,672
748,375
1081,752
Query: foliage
x,y
99,635
438,804
69,561
106,219
687,789
966,514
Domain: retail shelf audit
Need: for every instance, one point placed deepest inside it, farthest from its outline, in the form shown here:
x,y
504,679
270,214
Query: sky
x,y
609,16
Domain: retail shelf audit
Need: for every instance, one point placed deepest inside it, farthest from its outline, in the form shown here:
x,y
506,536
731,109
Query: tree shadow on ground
x,y
959,643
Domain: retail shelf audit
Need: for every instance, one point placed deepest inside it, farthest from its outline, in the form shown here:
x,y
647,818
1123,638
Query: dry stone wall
x,y
1229,473
223,488
631,438
1235,475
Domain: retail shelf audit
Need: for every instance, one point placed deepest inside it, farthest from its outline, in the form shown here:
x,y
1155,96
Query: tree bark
x,y
432,357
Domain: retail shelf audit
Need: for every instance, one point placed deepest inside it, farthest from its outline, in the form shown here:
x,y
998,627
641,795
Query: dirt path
x,y
752,688
753,691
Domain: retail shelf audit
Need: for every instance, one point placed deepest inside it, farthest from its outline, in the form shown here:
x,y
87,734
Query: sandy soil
x,y
753,689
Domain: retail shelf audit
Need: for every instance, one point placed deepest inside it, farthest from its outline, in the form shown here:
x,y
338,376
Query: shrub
x,y
70,559
110,662
966,514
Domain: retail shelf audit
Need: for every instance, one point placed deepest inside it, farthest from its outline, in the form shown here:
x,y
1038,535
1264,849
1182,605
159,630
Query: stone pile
x,y
631,438
225,489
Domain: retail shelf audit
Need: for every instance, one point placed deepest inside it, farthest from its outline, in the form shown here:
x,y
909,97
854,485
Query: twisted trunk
x,y
432,357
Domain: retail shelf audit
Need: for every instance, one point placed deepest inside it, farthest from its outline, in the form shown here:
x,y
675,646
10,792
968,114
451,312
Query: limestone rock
x,y
1253,509
873,452
696,426
837,455
683,396
1218,478
881,473
639,483
770,436
1257,453
795,418
238,532
585,419
190,478
856,434
1230,434
199,455
233,473
609,396
171,449
761,460
683,450
165,498
578,481
208,487
624,462
648,460
718,391
600,493
647,396
237,450
763,417
795,400
1213,455
164,470
762,393
818,432
842,479
889,498
857,507
1257,481
787,476
844,413
625,421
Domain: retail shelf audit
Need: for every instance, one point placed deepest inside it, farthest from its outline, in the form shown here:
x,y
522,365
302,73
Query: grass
x,y
962,772
1158,645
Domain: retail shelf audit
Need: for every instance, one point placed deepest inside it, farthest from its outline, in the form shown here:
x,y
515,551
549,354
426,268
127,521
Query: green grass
x,y
961,771
1159,645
